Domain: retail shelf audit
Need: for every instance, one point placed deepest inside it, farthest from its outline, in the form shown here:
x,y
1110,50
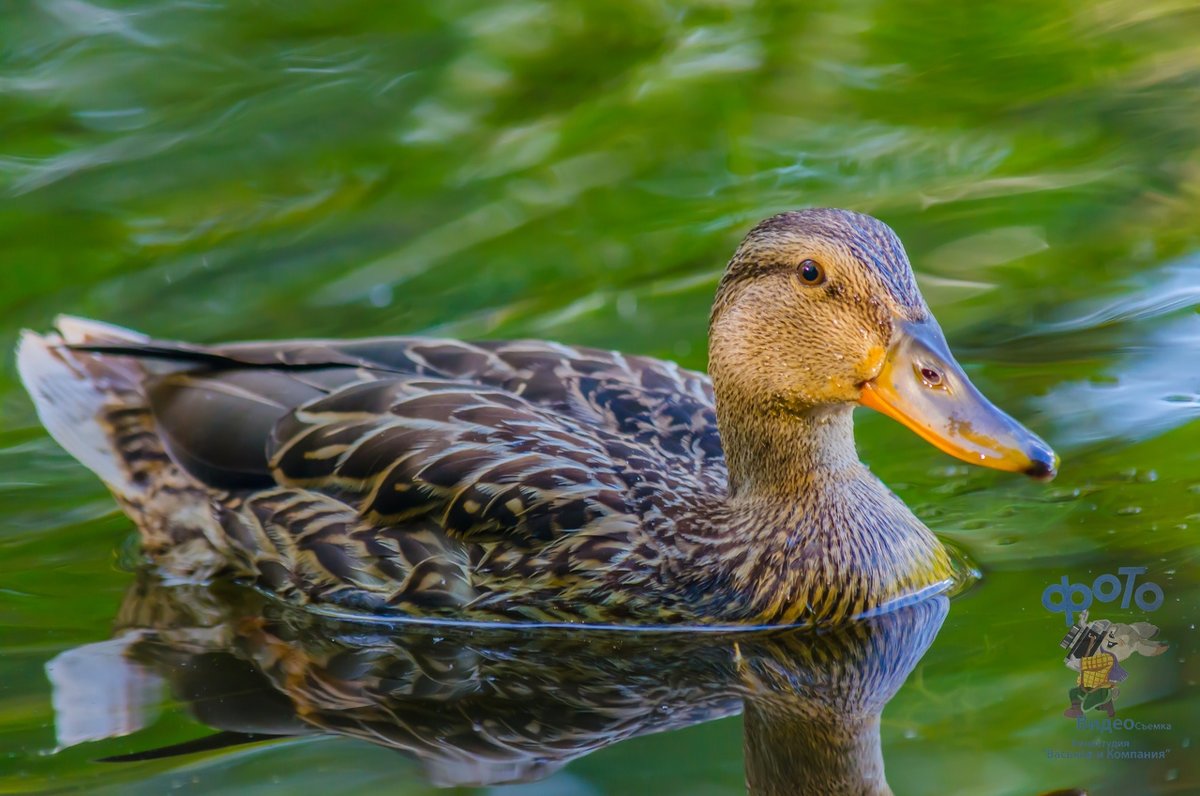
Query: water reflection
x,y
489,706
1143,391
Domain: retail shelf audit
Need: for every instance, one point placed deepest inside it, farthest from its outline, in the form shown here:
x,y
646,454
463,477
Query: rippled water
x,y
580,171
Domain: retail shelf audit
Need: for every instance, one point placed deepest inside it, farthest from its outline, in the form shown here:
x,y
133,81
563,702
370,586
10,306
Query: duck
x,y
532,481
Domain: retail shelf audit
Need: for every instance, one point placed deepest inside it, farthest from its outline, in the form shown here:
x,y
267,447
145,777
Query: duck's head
x,y
818,311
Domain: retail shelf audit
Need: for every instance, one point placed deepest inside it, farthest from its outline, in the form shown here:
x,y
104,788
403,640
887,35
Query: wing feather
x,y
481,462
517,439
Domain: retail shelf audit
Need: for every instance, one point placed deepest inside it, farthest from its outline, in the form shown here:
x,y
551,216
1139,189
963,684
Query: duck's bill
x,y
925,389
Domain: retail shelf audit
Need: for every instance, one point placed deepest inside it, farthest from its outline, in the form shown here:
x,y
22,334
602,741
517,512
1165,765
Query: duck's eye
x,y
811,273
931,377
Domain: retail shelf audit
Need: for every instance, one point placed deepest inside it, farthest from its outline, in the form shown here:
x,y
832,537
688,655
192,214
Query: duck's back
x,y
388,473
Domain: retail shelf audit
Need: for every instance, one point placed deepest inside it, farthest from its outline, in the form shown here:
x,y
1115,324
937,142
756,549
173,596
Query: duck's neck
x,y
807,533
809,748
776,455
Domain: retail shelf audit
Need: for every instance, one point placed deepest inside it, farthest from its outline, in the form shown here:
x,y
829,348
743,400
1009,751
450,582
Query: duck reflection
x,y
482,706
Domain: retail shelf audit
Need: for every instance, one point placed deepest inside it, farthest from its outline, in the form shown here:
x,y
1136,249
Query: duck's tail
x,y
76,394
95,406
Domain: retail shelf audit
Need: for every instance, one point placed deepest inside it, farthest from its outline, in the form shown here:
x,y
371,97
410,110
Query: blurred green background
x,y
579,170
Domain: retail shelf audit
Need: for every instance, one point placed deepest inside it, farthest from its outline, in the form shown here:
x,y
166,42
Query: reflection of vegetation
x,y
577,170
504,159
484,706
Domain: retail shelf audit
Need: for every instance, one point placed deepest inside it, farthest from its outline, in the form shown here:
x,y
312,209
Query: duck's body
x,y
522,480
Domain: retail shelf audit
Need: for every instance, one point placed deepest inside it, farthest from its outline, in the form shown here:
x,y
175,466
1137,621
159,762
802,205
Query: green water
x,y
579,171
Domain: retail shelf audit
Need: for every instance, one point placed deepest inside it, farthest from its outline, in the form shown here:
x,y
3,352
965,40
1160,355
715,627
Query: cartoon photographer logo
x,y
1097,648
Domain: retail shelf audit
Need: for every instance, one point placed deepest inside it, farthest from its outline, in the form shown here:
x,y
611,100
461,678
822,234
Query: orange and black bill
x,y
925,389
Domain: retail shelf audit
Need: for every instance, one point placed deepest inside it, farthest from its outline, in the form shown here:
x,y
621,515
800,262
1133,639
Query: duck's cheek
x,y
872,363
833,387
845,384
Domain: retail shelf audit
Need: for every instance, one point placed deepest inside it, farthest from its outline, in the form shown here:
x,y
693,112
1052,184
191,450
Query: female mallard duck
x,y
531,480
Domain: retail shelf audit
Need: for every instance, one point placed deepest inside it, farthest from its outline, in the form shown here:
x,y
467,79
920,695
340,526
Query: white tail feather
x,y
68,398
84,330
99,692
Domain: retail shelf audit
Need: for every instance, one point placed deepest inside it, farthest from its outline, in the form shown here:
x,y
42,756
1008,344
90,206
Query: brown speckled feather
x,y
530,438
415,475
